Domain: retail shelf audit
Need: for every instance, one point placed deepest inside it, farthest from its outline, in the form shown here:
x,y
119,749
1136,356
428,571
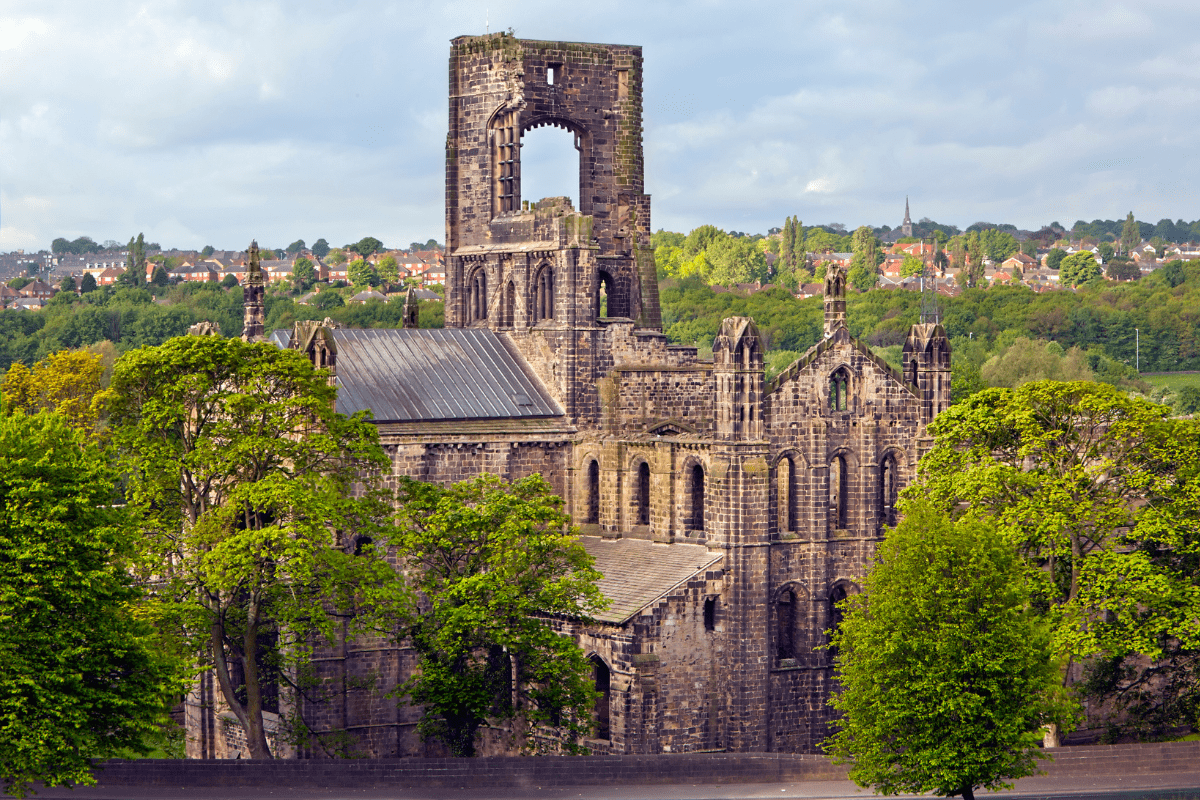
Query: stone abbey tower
x,y
726,512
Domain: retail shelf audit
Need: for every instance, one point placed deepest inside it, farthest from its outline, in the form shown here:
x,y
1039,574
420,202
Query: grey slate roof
x,y
638,572
412,375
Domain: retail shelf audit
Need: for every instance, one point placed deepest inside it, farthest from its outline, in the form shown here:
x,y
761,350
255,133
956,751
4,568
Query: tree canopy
x,y
1099,492
80,675
242,477
493,563
946,677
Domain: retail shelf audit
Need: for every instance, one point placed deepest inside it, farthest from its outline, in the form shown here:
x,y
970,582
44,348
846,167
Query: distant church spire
x,y
252,298
906,228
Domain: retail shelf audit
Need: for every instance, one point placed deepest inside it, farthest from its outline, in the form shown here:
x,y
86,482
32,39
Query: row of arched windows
x,y
542,297
788,497
796,636
694,514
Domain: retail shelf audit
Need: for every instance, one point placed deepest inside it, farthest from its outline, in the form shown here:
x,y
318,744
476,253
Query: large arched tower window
x,y
477,296
510,303
543,294
697,498
836,595
593,492
838,491
604,295
506,163
888,490
643,494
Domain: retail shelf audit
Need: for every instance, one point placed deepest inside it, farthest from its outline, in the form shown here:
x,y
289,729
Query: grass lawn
x,y
1174,380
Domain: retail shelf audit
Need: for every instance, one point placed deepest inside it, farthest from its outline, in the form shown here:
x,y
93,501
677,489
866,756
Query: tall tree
x,y
303,273
80,675
1131,234
1078,268
494,563
67,382
244,478
88,284
864,265
320,248
1098,491
295,247
946,675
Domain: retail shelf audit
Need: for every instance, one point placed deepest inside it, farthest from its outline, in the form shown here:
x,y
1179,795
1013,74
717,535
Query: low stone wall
x,y
515,772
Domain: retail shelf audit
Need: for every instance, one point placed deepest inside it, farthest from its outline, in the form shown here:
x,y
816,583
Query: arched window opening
x,y
543,294
710,613
836,614
593,492
510,305
506,164
888,490
361,544
785,613
912,371
839,390
697,498
550,164
477,296
604,291
838,491
603,684
643,494
787,500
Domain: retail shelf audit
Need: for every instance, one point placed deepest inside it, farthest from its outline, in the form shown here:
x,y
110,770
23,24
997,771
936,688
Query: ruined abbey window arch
x,y
551,154
839,390
543,294
592,506
642,495
889,488
839,490
477,296
695,497
787,474
604,294
602,682
510,306
504,139
785,625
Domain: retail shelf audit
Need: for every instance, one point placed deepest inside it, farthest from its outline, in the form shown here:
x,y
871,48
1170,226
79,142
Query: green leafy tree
x,y
1106,251
67,284
1025,361
320,248
388,269
1078,268
229,281
80,675
975,267
88,283
493,564
1098,491
67,383
295,247
335,256
1055,258
160,277
911,266
304,273
207,251
1120,268
362,274
946,674
1131,234
1030,247
242,477
366,246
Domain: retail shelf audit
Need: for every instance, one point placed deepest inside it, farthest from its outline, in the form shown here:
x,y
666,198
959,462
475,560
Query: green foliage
x,y
88,283
207,251
295,247
864,266
946,675
160,277
494,563
1120,268
80,246
1096,490
80,676
243,481
362,274
1055,258
366,246
1078,268
229,281
1131,235
304,272
911,266
320,248
1026,360
388,269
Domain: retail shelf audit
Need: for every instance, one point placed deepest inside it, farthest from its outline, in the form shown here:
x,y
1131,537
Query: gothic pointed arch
x,y
543,293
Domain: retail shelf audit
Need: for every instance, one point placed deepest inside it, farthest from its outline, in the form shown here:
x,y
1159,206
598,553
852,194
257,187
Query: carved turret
x,y
412,313
738,374
926,361
835,299
252,298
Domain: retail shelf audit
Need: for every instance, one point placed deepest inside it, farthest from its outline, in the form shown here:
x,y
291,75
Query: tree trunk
x,y
256,735
968,792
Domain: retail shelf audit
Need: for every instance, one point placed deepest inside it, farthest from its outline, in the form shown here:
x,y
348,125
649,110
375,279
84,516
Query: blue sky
x,y
214,123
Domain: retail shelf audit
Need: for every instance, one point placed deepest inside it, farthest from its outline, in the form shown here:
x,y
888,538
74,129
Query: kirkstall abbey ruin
x,y
727,513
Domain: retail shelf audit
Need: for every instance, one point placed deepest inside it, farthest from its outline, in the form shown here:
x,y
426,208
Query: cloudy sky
x,y
214,122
